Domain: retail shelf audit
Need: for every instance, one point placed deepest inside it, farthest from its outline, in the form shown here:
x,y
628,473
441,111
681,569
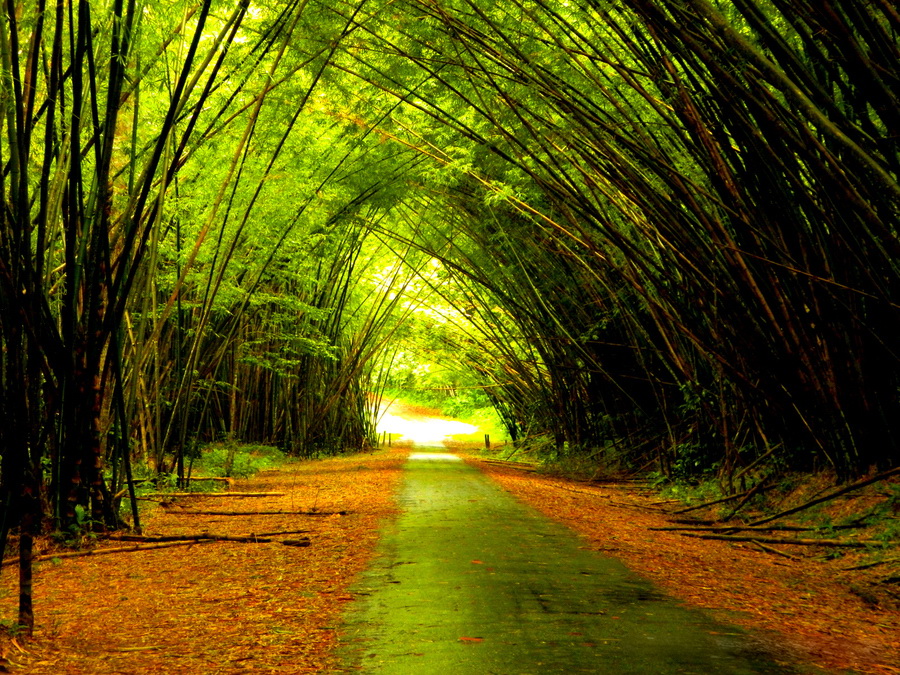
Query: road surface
x,y
469,581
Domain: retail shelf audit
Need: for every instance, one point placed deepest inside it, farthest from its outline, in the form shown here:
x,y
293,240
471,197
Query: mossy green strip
x,y
470,581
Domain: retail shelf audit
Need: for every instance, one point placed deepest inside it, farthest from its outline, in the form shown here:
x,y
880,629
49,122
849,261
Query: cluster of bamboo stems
x,y
690,226
178,255
670,225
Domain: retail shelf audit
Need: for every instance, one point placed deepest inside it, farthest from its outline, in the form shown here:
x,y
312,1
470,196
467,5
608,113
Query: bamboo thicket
x,y
714,186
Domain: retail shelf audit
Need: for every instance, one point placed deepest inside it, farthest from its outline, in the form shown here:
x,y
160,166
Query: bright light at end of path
x,y
419,429
443,456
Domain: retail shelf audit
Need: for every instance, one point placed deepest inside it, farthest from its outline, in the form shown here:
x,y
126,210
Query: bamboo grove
x,y
664,232
180,247
677,219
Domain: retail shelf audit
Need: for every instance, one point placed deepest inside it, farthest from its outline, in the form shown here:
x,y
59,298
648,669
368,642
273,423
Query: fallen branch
x,y
854,486
162,542
655,509
794,542
191,479
202,535
755,488
747,497
104,551
193,512
519,466
866,566
215,494
735,528
769,549
606,485
581,492
507,462
250,539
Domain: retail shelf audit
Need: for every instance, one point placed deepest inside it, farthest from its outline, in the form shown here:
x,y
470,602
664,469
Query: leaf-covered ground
x,y
808,605
270,608
214,607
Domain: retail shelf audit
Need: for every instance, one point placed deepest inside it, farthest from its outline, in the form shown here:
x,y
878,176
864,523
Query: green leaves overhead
x,y
721,181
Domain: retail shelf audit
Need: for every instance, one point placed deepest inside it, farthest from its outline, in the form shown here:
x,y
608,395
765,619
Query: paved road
x,y
471,582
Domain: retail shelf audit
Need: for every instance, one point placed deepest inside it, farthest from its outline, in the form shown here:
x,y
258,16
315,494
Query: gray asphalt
x,y
470,581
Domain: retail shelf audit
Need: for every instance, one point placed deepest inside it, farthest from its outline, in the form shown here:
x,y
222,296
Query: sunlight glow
x,y
434,456
430,431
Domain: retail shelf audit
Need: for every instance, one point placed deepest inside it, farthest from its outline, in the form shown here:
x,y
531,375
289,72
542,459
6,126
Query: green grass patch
x,y
232,459
487,421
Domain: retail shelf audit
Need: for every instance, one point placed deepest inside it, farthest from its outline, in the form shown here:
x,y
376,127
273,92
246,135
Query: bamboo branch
x,y
192,479
769,549
164,542
199,537
215,494
262,513
732,528
756,488
854,486
793,542
105,551
866,566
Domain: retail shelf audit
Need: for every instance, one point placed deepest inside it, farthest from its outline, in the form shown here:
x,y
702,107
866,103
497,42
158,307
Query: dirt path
x,y
470,581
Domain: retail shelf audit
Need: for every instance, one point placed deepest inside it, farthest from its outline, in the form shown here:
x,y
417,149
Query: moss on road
x,y
470,581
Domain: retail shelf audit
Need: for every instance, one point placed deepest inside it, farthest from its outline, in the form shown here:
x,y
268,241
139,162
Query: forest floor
x,y
229,607
222,607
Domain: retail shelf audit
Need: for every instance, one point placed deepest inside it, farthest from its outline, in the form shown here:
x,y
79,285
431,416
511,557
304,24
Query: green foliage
x,y
237,460
884,517
694,492
693,461
608,198
12,628
80,532
465,402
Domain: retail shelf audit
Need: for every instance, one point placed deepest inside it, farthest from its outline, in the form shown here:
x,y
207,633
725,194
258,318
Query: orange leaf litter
x,y
217,607
268,608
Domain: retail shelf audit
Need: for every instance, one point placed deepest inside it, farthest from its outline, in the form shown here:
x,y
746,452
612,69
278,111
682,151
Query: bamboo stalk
x,y
861,543
224,495
193,512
